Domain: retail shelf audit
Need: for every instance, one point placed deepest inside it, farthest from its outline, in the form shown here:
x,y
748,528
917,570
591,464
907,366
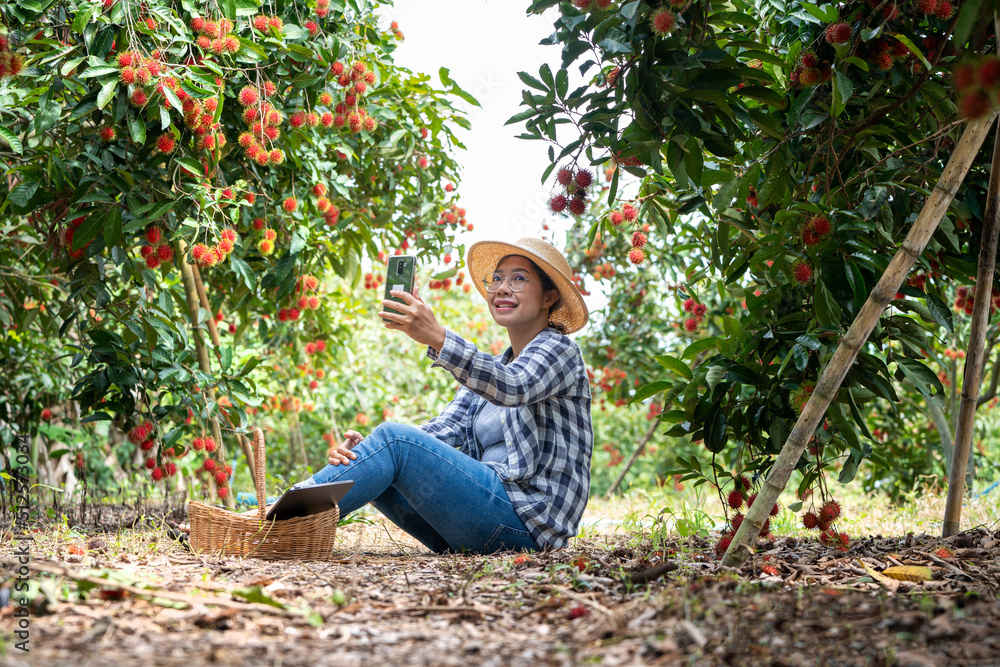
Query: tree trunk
x,y
977,345
632,459
191,293
856,337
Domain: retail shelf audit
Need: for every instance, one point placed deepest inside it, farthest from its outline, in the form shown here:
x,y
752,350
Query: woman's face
x,y
528,308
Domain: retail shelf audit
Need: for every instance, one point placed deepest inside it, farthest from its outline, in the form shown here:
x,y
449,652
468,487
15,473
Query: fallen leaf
x,y
909,573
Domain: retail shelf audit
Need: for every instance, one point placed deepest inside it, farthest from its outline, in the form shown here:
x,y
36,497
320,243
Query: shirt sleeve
x,y
548,366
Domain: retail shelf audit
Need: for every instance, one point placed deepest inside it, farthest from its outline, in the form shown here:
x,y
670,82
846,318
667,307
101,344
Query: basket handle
x,y
258,473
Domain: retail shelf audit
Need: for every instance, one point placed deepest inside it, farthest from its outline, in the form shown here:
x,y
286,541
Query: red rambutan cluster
x,y
159,251
575,185
454,215
965,299
978,84
815,229
11,63
810,70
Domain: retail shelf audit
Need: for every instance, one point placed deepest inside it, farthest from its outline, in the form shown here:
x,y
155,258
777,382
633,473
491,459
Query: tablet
x,y
308,500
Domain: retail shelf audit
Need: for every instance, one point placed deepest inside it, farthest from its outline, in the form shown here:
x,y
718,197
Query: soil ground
x,y
384,599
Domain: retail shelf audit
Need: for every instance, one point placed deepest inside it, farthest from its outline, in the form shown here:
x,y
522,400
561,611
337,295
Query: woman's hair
x,y
547,285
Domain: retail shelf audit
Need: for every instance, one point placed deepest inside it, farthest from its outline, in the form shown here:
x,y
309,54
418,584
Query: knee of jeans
x,y
387,431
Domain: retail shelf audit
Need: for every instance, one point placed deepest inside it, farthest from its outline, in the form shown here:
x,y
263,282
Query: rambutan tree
x,y
179,179
782,155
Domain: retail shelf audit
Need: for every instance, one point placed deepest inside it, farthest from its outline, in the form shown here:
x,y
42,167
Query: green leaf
x,y
827,14
648,390
842,91
256,594
926,380
88,231
22,193
12,140
914,49
112,223
107,93
827,308
674,364
529,80
715,430
968,14
940,312
137,128
82,17
767,123
699,346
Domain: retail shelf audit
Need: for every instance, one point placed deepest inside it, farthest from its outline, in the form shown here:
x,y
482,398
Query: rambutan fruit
x,y
220,477
289,204
944,10
276,156
153,235
577,205
557,204
638,240
265,247
663,22
297,119
143,76
630,213
107,133
197,24
165,143
269,89
150,463
820,225
636,256
722,545
830,511
127,75
974,104
337,68
270,234
989,73
838,33
616,218
368,124
735,499
138,98
326,119
157,474
802,272
882,61
583,178
809,520
737,521
165,253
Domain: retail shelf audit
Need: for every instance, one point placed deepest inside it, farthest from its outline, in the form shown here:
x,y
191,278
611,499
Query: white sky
x,y
485,44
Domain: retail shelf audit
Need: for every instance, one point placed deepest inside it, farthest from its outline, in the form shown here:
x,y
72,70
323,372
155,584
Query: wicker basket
x,y
221,531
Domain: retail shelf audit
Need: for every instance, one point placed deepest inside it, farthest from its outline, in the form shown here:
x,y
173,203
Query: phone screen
x,y
399,276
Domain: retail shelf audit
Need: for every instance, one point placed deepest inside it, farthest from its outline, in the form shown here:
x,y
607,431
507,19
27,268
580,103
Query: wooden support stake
x,y
833,375
977,344
213,331
191,294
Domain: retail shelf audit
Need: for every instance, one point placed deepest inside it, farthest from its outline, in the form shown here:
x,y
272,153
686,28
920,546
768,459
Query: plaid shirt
x,y
548,429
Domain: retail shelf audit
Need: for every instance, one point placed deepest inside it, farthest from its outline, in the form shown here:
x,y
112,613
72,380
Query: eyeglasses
x,y
515,281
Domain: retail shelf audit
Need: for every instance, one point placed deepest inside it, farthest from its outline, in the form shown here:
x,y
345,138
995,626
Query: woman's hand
x,y
415,319
343,454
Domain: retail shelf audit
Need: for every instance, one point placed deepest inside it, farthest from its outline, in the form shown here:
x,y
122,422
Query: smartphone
x,y
399,276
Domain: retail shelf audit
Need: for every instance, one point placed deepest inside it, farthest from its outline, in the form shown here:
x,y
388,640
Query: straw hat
x,y
484,256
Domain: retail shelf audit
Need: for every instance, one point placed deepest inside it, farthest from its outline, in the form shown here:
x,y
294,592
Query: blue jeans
x,y
444,498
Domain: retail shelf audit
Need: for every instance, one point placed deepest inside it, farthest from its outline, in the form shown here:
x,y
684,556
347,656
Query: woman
x,y
507,464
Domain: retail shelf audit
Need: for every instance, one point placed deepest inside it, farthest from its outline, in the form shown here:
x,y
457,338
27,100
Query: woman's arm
x,y
550,365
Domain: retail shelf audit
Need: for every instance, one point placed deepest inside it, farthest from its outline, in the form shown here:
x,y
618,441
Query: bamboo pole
x,y
213,331
977,346
632,459
833,375
191,294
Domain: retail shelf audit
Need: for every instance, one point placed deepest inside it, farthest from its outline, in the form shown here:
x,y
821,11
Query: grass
x,y
698,510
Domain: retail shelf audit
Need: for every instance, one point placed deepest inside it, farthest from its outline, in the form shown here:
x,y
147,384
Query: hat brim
x,y
484,256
